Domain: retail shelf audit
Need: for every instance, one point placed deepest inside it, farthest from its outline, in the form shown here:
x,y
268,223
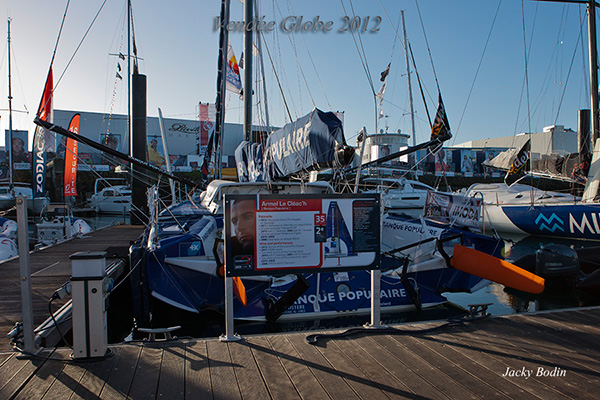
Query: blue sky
x,y
178,44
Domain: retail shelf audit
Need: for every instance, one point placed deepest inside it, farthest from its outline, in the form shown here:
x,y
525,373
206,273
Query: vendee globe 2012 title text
x,y
303,24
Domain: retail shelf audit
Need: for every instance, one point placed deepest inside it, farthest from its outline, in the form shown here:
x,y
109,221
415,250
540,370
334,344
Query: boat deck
x,y
486,358
50,268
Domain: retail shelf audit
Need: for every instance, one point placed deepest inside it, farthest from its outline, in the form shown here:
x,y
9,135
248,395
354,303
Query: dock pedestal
x,y
90,335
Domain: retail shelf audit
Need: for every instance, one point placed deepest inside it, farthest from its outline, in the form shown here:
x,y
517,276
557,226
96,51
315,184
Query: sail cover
x,y
520,164
309,142
249,162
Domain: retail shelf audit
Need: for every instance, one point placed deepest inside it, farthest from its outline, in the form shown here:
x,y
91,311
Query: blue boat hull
x,y
574,221
329,294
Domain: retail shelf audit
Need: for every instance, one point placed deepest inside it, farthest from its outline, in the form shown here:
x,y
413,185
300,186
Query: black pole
x,y
221,84
583,132
139,202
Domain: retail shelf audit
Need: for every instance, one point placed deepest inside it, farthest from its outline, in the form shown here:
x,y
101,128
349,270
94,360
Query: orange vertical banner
x,y
71,159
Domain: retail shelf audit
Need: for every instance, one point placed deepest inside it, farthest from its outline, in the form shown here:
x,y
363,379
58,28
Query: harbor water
x,y
505,301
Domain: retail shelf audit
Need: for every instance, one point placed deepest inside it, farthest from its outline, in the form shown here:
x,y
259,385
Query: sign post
x,y
230,335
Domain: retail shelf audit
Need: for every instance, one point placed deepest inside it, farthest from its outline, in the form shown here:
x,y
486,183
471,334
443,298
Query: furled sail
x,y
571,167
520,165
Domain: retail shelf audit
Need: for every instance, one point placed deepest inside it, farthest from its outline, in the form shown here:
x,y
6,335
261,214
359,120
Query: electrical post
x,y
90,335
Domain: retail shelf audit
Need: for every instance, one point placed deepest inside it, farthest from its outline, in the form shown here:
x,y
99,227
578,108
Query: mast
x,y
248,16
259,40
221,85
412,111
593,179
593,182
129,77
593,60
10,130
166,153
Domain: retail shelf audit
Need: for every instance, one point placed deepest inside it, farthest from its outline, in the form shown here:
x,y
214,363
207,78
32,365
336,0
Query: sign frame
x,y
283,221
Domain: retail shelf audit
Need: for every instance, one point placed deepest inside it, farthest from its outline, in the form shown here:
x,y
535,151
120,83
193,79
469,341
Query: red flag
x,y
71,159
45,109
207,122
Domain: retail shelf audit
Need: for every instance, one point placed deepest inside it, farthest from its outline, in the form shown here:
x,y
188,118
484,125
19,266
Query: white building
x,y
554,139
184,137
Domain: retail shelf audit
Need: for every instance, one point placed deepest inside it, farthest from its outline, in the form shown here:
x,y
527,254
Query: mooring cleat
x,y
163,331
478,311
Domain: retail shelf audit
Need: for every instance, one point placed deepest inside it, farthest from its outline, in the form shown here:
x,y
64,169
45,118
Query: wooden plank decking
x,y
459,362
50,268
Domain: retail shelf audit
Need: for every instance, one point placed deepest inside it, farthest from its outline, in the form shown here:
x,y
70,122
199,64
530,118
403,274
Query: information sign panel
x,y
281,234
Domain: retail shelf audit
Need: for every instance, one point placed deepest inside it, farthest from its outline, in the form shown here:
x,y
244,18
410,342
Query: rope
x,y
278,81
487,41
526,62
428,48
363,61
362,56
3,213
567,79
451,322
78,46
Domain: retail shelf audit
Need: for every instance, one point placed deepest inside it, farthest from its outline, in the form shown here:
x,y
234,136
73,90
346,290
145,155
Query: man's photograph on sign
x,y
242,228
272,234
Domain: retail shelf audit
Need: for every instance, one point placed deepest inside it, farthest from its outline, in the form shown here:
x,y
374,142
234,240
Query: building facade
x,y
553,139
186,139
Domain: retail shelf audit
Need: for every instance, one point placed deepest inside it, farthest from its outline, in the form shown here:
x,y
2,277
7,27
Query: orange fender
x,y
240,290
494,269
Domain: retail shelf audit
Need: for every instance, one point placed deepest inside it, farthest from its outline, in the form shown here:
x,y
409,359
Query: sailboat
x,y
553,214
111,196
10,189
179,259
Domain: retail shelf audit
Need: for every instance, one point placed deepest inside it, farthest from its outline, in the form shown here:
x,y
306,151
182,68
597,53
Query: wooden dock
x,y
50,268
490,358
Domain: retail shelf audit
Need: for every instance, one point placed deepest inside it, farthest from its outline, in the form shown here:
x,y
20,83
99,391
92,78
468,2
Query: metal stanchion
x,y
25,275
376,288
375,300
229,335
